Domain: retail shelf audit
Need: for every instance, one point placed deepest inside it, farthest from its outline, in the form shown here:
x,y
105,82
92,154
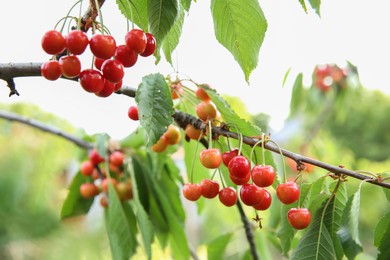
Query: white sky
x,y
353,30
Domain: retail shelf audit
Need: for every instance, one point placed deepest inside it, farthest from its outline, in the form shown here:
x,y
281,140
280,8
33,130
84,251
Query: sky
x,y
349,30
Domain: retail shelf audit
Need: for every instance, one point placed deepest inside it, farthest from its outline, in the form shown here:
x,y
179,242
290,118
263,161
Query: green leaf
x,y
155,106
303,4
102,143
216,248
75,204
162,15
296,96
315,4
121,227
240,28
186,4
134,140
136,11
286,76
382,229
172,38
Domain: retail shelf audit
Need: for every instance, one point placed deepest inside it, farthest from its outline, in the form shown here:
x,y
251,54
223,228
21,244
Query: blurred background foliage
x,y
344,125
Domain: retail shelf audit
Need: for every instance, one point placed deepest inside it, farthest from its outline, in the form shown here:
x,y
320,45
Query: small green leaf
x,y
155,106
172,38
136,11
102,143
382,229
286,76
240,28
303,4
75,204
296,96
216,248
315,4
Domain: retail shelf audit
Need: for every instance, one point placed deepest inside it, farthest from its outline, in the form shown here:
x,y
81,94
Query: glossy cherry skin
x,y
239,167
89,190
201,94
87,168
51,70
227,156
172,135
91,80
251,194
76,42
210,188
160,146
53,42
133,113
206,111
117,158
136,40
127,57
113,70
98,62
288,192
228,196
70,66
118,86
150,45
95,157
265,203
263,175
299,218
211,158
192,191
107,90
192,132
240,181
102,46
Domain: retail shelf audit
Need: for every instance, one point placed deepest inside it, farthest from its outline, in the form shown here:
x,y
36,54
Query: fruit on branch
x,y
192,191
176,90
288,192
98,62
202,95
53,42
133,113
160,146
102,46
211,158
263,175
87,168
228,196
91,80
172,135
117,158
136,40
239,167
107,90
240,181
251,194
127,57
299,218
70,66
210,188
95,157
206,111
229,155
192,132
113,70
124,190
76,42
51,70
89,190
265,203
150,45
105,183
104,201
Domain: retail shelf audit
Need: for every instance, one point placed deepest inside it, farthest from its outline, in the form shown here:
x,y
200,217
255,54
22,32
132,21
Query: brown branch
x,y
248,231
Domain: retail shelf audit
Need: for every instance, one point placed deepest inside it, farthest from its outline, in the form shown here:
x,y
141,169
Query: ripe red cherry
x,y
76,42
240,181
239,167
228,196
89,190
192,191
150,45
116,158
98,62
117,86
227,156
299,218
87,168
201,94
70,66
105,183
127,57
251,194
53,42
263,175
210,188
107,90
211,158
51,70
102,46
206,110
91,80
136,40
133,113
113,70
95,157
265,203
288,192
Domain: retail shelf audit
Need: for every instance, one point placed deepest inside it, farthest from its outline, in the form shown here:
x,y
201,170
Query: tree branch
x,y
248,231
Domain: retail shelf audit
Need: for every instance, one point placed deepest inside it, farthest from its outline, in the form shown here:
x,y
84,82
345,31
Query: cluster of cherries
x,y
110,59
328,75
97,180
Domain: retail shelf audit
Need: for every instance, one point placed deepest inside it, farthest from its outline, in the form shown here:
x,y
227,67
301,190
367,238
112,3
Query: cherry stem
x,y
193,160
221,177
212,176
100,15
79,19
368,173
67,16
253,148
263,150
283,163
127,20
229,144
210,136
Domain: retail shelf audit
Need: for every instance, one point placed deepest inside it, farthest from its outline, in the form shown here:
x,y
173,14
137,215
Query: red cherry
x,y
76,42
211,158
136,40
206,110
210,188
288,192
104,201
113,70
299,218
51,70
87,168
107,90
53,42
150,45
95,157
239,167
263,175
228,196
265,203
91,80
192,191
116,158
70,66
105,183
117,86
192,132
240,181
202,94
227,156
102,46
98,62
127,57
89,190
251,194
133,113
